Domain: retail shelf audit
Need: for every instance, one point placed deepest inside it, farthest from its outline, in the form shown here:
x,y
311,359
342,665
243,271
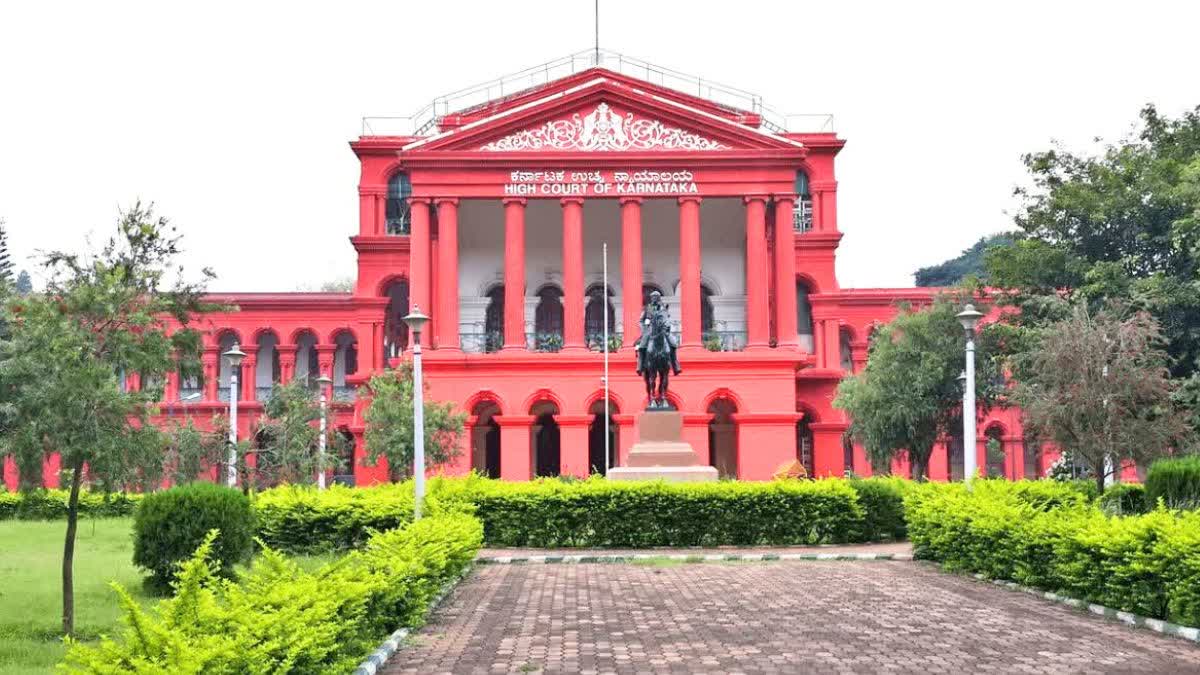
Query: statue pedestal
x,y
661,453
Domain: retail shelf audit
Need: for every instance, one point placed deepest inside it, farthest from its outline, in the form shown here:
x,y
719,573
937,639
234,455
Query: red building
x,y
490,213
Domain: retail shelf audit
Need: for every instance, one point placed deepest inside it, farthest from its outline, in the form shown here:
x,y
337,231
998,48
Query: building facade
x,y
492,213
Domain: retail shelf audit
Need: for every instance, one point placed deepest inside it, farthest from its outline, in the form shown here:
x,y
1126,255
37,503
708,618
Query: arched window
x,y
267,366
307,366
345,362
395,331
846,352
224,371
485,439
707,320
593,315
802,217
804,320
398,213
548,320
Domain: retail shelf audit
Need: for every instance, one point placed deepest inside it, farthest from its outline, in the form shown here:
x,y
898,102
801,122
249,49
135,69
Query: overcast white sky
x,y
234,117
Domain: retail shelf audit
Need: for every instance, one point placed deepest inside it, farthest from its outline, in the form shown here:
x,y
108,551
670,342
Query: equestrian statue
x,y
656,352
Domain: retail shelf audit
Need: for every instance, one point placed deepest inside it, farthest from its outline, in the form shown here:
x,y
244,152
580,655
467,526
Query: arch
x,y
548,318
995,428
995,463
673,399
485,438
845,348
220,335
810,413
267,369
600,427
307,365
484,396
809,281
723,437
614,401
225,341
397,213
382,286
265,332
543,395
546,438
337,333
805,445
345,362
723,393
300,333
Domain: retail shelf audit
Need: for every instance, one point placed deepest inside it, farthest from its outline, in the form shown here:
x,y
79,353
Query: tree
x,y
389,420
118,311
1098,387
192,451
968,264
6,266
908,396
24,285
289,436
1118,228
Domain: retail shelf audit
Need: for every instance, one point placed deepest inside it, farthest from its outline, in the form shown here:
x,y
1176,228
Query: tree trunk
x,y
68,563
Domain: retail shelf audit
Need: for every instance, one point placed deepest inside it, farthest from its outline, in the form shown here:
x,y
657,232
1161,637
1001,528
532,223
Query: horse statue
x,y
657,361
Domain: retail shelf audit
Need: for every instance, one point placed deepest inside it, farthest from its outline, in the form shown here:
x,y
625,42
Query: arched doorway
x,y
994,450
722,438
547,449
804,445
485,440
395,331
597,460
343,470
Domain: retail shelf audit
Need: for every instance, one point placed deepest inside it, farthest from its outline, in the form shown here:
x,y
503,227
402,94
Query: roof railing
x,y
423,121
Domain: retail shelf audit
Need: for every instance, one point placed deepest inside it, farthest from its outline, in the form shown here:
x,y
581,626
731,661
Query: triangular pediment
x,y
603,115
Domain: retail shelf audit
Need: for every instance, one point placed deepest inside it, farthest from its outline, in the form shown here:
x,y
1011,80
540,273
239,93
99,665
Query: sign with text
x,y
601,183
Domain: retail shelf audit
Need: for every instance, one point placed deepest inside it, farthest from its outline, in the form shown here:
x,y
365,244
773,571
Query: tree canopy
x,y
970,263
390,423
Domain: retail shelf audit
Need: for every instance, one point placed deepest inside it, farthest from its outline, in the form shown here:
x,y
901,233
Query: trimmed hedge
x,y
305,520
1176,481
168,526
52,504
279,618
1147,564
1124,499
882,499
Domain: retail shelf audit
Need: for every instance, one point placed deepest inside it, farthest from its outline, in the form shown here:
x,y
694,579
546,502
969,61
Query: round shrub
x,y
1176,481
169,526
1124,499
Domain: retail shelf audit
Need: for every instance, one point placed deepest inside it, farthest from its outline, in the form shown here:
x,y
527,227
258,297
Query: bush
x,y
168,526
1124,499
280,619
297,519
52,504
1176,481
1148,564
882,499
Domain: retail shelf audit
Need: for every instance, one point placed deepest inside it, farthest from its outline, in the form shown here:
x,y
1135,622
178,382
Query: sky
x,y
233,118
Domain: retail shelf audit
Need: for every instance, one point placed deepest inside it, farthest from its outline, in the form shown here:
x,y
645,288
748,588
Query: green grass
x,y
31,587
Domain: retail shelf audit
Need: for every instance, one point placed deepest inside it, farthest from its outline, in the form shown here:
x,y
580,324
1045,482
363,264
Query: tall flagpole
x,y
596,54
607,410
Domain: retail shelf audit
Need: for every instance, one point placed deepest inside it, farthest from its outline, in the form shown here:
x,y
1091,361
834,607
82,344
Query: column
x,y
287,363
757,322
419,281
514,274
211,372
785,273
689,270
249,378
573,445
516,452
572,260
831,343
447,307
825,205
631,268
324,362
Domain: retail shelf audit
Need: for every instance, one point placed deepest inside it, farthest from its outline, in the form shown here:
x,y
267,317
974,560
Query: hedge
x,y
52,504
279,618
300,519
1124,499
1146,564
1176,481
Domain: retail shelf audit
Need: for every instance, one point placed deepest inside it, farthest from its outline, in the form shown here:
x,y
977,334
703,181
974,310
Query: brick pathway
x,y
902,548
782,617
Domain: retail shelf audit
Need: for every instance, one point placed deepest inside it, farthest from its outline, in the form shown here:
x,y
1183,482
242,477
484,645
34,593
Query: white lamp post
x,y
969,318
234,356
416,321
322,382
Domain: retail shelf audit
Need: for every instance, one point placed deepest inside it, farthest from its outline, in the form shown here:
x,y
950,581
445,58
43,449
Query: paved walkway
x,y
902,549
777,617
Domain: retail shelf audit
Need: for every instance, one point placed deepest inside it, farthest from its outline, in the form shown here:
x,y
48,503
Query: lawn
x,y
31,587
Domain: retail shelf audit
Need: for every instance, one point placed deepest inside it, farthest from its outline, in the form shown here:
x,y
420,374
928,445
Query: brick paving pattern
x,y
780,617
894,548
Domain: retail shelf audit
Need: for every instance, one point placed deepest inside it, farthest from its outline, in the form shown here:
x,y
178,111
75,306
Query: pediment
x,y
603,116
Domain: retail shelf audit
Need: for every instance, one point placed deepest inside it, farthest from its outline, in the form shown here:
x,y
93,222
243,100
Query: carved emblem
x,y
603,129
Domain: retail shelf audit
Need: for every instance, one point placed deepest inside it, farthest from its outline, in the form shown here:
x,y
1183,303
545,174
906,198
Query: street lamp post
x,y
416,321
322,382
234,356
969,318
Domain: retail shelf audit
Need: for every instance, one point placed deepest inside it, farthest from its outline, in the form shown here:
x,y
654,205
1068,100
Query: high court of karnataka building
x,y
490,212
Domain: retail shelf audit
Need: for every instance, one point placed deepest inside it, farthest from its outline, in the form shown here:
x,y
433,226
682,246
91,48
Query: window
x,y
593,315
493,320
802,217
395,331
804,321
398,213
548,320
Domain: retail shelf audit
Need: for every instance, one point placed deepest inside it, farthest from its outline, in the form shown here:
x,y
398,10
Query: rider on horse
x,y
655,306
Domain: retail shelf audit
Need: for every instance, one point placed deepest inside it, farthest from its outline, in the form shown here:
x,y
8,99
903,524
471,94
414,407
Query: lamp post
x,y
416,321
322,382
234,356
969,318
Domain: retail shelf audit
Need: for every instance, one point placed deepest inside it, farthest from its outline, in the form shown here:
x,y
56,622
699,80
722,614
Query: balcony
x,y
725,340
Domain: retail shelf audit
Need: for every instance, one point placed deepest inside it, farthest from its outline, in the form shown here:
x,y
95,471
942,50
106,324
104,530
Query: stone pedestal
x,y
661,453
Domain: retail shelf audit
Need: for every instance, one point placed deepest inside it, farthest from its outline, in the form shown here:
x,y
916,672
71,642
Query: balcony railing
x,y
263,394
400,225
595,342
482,342
190,394
725,340
344,393
802,216
544,342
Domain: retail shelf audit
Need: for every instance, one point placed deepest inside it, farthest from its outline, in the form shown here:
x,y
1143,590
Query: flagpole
x,y
607,410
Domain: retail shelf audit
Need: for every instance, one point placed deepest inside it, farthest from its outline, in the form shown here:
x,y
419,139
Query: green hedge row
x,y
1176,481
52,504
1147,564
279,618
597,513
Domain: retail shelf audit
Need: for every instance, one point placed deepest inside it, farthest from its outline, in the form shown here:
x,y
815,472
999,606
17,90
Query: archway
x,y
722,438
485,439
804,445
994,451
266,374
395,331
597,460
307,367
547,448
804,318
343,470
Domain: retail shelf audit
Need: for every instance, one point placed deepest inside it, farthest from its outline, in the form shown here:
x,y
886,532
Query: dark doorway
x,y
597,461
546,446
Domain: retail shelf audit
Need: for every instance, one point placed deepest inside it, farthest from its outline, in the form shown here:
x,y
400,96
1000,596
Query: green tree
x,y
908,396
114,312
289,435
191,451
1098,387
389,420
1117,228
968,264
